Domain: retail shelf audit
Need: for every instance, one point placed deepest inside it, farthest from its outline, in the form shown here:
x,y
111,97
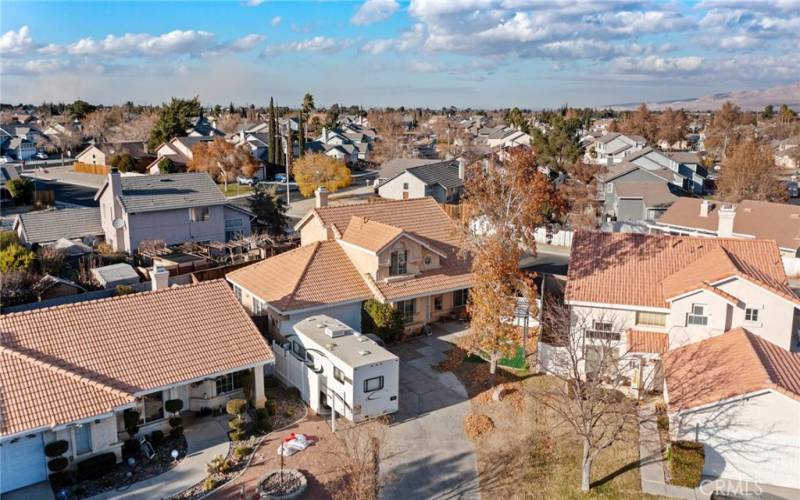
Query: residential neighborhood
x,y
399,250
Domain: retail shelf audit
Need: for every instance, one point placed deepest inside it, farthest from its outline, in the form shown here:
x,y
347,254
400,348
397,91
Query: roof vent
x,y
334,331
364,352
362,339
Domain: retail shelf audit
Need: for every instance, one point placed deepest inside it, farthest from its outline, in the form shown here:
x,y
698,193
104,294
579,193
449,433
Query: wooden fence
x,y
456,212
85,168
45,198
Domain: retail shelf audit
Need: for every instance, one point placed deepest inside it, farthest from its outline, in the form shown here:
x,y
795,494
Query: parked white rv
x,y
335,366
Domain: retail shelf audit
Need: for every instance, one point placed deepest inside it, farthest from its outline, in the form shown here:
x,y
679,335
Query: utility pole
x,y
288,144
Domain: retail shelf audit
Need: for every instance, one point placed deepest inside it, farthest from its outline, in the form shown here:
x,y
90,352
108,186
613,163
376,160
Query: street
x,y
549,260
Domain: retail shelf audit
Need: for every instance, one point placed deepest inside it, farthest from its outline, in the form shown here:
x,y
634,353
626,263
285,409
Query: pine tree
x,y
301,133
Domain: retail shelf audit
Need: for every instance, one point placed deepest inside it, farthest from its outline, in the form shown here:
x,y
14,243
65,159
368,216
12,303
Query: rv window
x,y
373,384
299,350
338,375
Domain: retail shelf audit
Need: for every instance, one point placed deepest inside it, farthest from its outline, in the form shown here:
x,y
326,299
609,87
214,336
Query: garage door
x,y
22,462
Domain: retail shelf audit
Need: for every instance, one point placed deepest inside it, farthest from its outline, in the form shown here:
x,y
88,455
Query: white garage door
x,y
22,463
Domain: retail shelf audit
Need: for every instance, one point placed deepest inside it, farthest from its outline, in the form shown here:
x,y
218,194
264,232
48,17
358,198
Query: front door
x,y
405,195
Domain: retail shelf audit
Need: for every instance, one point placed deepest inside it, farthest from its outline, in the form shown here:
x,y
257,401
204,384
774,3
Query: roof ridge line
x,y
63,371
302,275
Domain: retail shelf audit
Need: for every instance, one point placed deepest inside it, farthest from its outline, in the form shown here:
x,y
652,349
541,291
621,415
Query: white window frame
x,y
338,375
380,381
87,427
199,214
461,297
402,306
609,188
751,314
693,318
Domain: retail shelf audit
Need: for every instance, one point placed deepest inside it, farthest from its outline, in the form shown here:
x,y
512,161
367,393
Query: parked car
x,y
40,156
280,177
377,339
249,181
793,188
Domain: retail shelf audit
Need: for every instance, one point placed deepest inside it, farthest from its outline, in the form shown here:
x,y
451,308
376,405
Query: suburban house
x,y
613,147
47,227
633,193
348,146
686,167
404,253
336,367
746,219
178,149
257,142
443,181
101,154
18,140
397,166
508,137
654,299
173,208
70,372
200,126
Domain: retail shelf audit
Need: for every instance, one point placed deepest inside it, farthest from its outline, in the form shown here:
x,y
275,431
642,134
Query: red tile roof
x,y
88,356
728,365
652,342
646,270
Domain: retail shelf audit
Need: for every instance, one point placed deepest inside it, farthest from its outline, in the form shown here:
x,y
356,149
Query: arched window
x,y
399,261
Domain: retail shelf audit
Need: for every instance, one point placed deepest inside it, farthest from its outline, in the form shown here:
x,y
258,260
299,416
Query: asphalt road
x,y
546,262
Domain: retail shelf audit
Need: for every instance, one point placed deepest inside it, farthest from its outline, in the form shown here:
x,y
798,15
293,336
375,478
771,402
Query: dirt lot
x,y
528,455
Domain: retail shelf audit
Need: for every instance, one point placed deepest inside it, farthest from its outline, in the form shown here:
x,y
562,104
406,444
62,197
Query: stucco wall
x,y
313,231
174,227
393,189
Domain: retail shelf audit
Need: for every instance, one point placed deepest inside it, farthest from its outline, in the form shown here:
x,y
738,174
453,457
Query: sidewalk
x,y
651,461
205,439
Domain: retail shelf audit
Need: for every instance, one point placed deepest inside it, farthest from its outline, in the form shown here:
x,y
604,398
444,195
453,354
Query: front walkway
x,y
205,439
428,455
651,461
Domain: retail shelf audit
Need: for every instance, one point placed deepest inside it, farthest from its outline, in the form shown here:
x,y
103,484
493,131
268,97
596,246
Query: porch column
x,y
258,386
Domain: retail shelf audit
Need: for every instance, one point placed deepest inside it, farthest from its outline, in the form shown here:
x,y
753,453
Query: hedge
x,y
58,464
96,466
383,320
56,448
686,459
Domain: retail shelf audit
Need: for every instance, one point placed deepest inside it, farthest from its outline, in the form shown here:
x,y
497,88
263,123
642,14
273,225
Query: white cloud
x,y
16,43
245,43
315,44
375,11
409,40
276,20
255,3
656,65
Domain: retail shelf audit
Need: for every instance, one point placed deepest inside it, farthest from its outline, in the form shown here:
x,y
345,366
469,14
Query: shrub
x,y
59,480
237,424
241,451
271,407
204,412
56,448
208,484
130,448
96,466
175,422
176,432
58,464
236,407
16,258
124,290
686,459
173,405
7,238
21,190
382,320
131,421
123,162
167,166
156,438
262,423
219,465
663,422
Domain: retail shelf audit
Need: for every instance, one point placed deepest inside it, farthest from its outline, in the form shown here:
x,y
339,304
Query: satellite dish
x,y
118,223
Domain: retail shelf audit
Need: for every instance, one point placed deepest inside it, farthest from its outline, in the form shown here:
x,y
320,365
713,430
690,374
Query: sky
x,y
464,53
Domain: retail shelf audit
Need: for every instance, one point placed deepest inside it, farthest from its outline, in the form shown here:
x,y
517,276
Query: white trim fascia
x,y
622,307
139,394
759,285
357,247
427,294
701,290
295,311
723,402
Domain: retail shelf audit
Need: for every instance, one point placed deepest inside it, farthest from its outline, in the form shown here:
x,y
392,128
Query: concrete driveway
x,y
427,454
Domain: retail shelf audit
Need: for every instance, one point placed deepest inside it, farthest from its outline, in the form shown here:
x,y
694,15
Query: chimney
x,y
324,135
115,183
322,197
159,278
241,136
726,215
461,166
704,206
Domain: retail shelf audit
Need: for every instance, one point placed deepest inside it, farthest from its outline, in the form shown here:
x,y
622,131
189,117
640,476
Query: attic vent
x,y
336,331
364,353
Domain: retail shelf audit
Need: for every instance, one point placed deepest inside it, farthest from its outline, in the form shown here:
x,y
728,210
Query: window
x,y
602,330
438,303
697,316
237,291
259,307
399,262
460,297
299,350
338,375
609,188
651,319
199,214
405,186
406,308
428,260
229,382
152,407
83,439
373,384
751,314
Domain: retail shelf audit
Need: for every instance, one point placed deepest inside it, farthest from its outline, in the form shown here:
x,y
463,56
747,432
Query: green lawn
x,y
235,189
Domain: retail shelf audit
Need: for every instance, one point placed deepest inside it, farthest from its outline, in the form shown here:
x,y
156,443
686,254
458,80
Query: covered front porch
x,y
434,308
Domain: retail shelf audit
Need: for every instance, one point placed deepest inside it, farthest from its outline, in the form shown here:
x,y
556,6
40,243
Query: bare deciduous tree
x,y
750,173
389,143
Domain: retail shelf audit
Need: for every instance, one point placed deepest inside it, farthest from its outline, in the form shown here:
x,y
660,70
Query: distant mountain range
x,y
748,100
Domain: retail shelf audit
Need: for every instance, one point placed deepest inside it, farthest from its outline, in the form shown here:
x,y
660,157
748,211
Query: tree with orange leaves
x,y
222,160
508,202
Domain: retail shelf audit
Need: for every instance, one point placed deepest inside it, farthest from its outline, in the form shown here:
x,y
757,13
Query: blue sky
x,y
478,53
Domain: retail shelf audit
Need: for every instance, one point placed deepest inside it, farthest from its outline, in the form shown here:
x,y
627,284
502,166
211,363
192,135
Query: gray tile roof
x,y
397,166
444,173
69,223
153,193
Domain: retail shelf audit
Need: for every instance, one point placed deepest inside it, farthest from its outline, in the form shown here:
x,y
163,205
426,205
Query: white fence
x,y
561,238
